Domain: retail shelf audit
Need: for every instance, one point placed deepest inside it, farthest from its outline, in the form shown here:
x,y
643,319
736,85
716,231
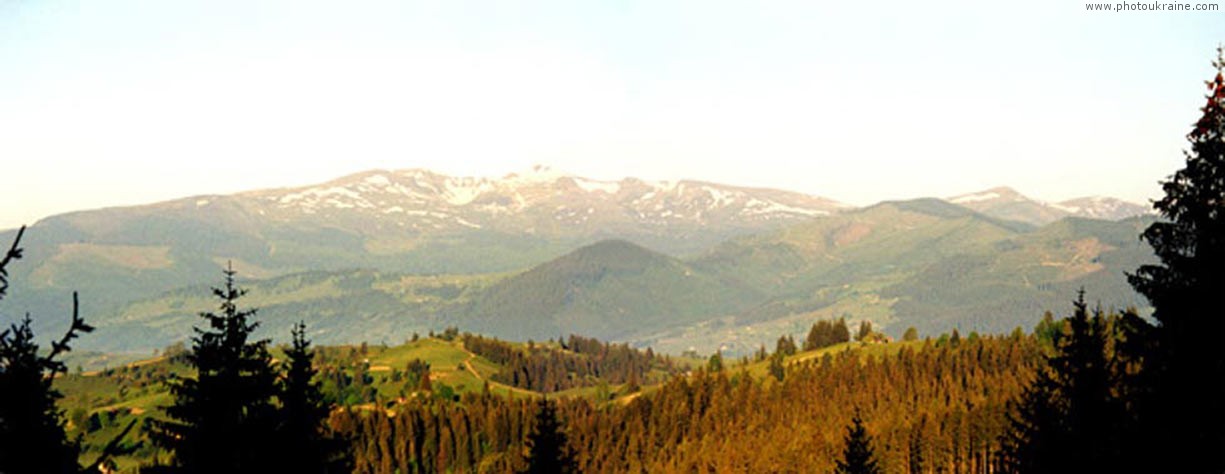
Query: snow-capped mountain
x,y
1007,203
1101,207
411,221
426,244
539,201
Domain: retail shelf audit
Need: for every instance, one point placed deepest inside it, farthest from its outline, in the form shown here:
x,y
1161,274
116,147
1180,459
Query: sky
x,y
129,102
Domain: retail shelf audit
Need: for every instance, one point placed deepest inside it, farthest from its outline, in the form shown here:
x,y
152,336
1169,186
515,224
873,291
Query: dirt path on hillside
x,y
492,384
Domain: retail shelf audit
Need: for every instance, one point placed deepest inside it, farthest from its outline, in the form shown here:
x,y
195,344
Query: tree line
x,y
930,409
580,362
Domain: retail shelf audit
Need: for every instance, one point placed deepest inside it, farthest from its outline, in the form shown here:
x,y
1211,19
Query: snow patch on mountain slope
x,y
722,199
759,207
460,191
975,197
1066,208
593,186
314,195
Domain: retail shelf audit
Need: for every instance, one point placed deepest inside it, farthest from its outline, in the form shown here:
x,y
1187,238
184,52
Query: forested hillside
x,y
931,408
934,403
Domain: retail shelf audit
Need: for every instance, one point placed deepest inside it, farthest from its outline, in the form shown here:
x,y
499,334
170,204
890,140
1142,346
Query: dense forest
x,y
931,408
1097,391
581,362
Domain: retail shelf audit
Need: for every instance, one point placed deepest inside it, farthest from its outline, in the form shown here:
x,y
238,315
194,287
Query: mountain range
x,y
673,265
1007,203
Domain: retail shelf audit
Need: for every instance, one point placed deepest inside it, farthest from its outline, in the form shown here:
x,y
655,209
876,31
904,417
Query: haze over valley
x,y
378,255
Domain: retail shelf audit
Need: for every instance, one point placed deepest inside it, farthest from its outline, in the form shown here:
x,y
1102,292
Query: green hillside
x,y
613,289
339,307
98,404
923,263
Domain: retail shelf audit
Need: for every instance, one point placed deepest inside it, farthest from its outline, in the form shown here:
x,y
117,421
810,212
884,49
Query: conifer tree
x,y
547,450
916,447
305,444
715,363
224,419
1186,371
858,456
785,346
841,332
776,367
865,331
1071,416
32,438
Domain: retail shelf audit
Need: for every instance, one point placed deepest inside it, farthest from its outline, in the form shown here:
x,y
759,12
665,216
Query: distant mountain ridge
x,y
538,201
540,253
923,263
1007,203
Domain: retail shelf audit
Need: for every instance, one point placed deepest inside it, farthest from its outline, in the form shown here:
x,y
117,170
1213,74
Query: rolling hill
x,y
614,289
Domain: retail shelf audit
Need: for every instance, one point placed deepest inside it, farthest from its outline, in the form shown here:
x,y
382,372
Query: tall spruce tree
x,y
865,331
1185,372
547,449
858,456
305,445
841,332
1072,417
224,419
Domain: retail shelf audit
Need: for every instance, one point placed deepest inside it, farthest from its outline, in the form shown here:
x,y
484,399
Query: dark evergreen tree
x,y
776,367
785,346
1071,417
715,363
865,331
857,456
1185,372
547,449
916,445
305,443
32,438
841,332
224,419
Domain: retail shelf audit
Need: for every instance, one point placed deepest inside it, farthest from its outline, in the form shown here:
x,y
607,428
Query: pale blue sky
x,y
122,102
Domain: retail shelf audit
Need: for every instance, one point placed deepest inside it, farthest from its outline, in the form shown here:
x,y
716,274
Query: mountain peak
x,y
614,253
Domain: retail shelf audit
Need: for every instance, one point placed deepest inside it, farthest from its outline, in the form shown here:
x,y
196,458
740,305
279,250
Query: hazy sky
x,y
123,102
